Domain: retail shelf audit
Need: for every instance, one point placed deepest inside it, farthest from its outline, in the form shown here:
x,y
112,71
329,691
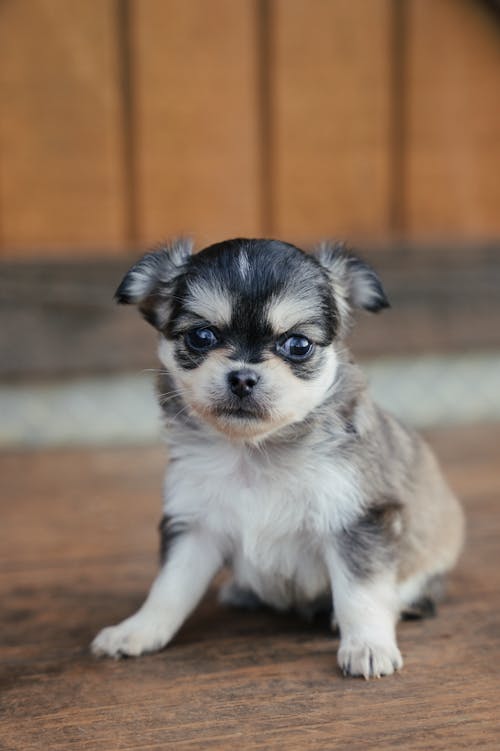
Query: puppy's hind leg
x,y
420,596
235,595
183,579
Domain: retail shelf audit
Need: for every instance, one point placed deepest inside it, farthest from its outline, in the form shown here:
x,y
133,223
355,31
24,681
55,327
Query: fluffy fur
x,y
281,466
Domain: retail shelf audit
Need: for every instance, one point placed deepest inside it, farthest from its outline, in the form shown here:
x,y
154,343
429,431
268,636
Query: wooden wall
x,y
125,121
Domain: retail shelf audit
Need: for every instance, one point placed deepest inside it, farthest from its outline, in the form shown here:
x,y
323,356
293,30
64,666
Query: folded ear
x,y
149,283
355,284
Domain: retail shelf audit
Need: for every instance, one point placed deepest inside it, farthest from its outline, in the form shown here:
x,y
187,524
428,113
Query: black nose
x,y
242,382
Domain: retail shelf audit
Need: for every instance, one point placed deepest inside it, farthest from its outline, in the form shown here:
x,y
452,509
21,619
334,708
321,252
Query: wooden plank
x,y
79,551
453,128
61,150
60,319
330,101
196,119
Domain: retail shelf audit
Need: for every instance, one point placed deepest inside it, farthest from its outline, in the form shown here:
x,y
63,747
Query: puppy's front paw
x,y
133,637
357,657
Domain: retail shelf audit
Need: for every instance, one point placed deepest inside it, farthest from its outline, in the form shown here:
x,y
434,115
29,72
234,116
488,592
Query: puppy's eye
x,y
201,339
295,348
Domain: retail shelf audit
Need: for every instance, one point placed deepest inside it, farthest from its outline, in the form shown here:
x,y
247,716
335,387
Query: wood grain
x,y
127,122
195,75
61,150
330,105
453,120
78,550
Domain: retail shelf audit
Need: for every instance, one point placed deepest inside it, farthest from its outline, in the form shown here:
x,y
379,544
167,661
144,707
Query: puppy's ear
x,y
355,284
149,283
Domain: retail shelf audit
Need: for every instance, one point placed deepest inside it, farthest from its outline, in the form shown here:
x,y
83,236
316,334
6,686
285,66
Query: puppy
x,y
281,466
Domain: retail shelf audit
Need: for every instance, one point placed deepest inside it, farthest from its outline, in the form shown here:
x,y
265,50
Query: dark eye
x,y
295,348
201,339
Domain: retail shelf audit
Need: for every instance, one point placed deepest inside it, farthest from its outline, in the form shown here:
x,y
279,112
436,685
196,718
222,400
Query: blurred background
x,y
124,122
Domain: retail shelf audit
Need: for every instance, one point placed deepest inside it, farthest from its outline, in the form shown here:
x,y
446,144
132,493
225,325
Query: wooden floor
x,y
78,551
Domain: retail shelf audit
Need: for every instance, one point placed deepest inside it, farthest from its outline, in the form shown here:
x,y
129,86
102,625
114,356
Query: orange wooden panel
x,y
61,150
330,100
453,86
196,119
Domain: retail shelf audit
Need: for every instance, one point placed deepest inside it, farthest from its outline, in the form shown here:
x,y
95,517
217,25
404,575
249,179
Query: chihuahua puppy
x,y
281,466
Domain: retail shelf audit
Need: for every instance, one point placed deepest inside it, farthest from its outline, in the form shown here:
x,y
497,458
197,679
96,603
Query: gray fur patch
x,y
370,543
170,530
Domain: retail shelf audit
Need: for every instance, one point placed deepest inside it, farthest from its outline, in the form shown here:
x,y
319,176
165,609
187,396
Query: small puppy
x,y
281,466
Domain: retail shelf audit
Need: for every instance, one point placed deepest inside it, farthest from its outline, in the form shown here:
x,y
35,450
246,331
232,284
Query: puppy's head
x,y
249,329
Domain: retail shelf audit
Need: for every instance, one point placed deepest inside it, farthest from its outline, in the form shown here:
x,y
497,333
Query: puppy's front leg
x,y
191,564
366,612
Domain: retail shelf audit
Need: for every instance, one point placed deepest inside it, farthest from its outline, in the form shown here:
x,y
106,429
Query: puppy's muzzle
x,y
242,382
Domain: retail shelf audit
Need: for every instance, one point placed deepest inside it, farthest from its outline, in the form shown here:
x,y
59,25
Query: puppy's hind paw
x,y
135,636
360,658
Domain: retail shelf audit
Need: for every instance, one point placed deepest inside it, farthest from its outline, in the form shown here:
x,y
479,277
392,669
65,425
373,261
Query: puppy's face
x,y
248,328
249,338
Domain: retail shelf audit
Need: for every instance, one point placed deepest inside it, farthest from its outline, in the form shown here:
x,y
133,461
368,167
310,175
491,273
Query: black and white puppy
x,y
281,465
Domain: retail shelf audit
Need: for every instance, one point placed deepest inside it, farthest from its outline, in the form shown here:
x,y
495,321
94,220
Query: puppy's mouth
x,y
246,420
239,412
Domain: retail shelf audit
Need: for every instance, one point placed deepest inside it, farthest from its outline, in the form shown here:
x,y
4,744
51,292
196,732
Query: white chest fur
x,y
270,512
